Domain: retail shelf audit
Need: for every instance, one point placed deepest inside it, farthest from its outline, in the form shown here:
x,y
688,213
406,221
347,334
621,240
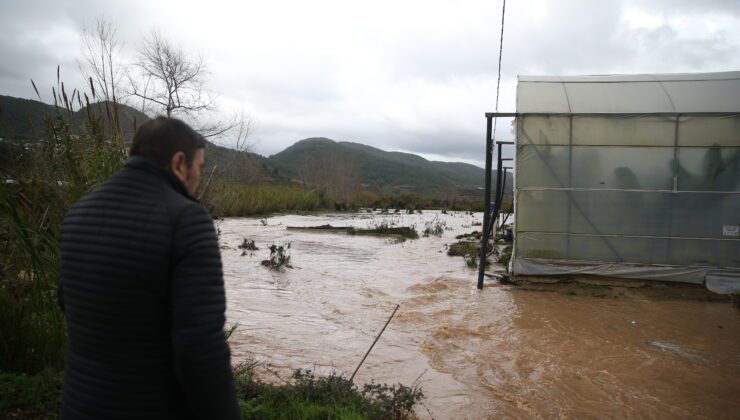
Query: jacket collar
x,y
148,165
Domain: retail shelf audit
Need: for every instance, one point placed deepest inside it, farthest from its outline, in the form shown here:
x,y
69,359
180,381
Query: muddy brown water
x,y
503,352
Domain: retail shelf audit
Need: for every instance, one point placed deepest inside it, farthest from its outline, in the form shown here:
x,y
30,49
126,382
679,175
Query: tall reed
x,y
75,156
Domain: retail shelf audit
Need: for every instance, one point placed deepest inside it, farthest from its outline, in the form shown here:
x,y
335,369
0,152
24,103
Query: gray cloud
x,y
412,76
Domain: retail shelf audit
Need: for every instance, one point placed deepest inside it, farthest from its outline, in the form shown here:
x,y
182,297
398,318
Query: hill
x,y
24,119
342,167
238,166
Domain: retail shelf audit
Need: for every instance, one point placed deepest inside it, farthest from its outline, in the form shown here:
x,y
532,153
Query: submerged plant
x,y
387,227
434,227
248,245
469,250
279,257
505,257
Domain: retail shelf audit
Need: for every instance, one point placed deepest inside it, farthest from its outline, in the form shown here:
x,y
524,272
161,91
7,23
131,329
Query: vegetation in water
x,y
279,257
434,227
474,235
505,257
247,245
469,250
387,227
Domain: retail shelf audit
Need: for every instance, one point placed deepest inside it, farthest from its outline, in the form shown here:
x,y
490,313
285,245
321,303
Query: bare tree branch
x,y
174,80
171,82
101,65
100,58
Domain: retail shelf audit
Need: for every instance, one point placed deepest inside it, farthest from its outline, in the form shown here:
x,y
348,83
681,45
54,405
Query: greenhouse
x,y
629,176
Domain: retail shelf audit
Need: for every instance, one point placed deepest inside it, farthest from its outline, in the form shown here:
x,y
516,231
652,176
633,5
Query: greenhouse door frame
x,y
487,213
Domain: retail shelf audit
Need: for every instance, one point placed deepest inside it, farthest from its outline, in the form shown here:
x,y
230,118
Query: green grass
x,y
30,397
305,396
231,199
308,396
227,199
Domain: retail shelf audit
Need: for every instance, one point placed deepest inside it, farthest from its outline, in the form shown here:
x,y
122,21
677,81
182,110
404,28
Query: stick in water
x,y
373,345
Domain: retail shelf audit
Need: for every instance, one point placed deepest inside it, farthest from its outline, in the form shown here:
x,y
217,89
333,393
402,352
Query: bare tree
x,y
100,59
173,81
243,165
100,64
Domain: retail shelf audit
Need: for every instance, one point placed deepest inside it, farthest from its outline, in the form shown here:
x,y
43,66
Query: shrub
x,y
308,396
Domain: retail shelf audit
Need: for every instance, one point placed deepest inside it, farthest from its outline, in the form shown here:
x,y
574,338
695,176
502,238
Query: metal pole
x,y
351,378
499,171
499,202
486,203
503,190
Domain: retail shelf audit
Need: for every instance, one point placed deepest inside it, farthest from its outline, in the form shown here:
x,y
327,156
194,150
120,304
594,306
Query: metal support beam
x,y
607,114
500,197
499,187
487,202
499,200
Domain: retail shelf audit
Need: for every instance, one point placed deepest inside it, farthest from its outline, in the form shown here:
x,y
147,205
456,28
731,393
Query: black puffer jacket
x,y
142,288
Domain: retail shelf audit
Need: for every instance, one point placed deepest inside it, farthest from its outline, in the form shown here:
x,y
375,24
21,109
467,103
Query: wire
x,y
500,53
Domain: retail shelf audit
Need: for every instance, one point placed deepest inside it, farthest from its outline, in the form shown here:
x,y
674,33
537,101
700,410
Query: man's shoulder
x,y
131,190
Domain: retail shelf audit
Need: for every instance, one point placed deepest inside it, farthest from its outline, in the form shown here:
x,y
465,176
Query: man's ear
x,y
179,166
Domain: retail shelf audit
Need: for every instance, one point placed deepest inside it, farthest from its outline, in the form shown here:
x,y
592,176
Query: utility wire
x,y
500,53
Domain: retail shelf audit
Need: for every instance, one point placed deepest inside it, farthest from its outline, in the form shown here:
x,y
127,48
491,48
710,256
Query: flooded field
x,y
506,351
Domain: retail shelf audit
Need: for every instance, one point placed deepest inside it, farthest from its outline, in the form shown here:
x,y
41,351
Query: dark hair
x,y
159,139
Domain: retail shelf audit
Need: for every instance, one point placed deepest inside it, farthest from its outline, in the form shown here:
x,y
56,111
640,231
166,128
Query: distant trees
x,y
334,174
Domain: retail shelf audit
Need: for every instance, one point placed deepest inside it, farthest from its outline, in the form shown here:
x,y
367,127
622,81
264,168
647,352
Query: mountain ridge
x,y
337,168
321,161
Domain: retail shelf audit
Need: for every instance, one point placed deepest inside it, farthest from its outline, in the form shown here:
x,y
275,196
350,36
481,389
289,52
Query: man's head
x,y
174,146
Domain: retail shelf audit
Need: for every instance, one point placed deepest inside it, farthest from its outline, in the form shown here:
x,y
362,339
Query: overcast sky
x,y
414,76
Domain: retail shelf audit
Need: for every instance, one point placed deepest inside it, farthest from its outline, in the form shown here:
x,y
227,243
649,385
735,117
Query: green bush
x,y
37,396
309,396
306,396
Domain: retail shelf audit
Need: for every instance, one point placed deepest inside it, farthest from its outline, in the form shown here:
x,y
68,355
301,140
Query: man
x,y
142,288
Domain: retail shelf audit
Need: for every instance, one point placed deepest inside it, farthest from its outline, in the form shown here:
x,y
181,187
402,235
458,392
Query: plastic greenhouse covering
x,y
629,176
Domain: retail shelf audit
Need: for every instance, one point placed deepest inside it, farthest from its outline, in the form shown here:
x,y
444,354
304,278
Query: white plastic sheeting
x,y
629,176
706,92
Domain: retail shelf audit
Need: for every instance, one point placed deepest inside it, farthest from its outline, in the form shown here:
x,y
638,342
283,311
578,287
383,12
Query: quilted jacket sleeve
x,y
201,355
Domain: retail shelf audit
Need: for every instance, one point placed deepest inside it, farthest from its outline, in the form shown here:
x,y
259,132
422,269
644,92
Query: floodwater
x,y
503,352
